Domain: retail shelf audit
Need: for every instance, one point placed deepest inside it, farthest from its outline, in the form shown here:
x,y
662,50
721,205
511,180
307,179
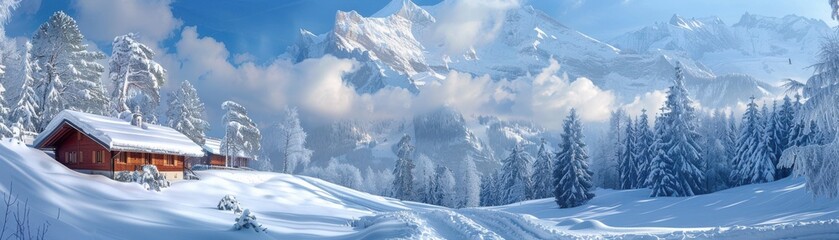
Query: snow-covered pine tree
x,y
752,163
468,189
661,179
572,176
5,131
514,179
69,73
136,78
292,142
628,167
442,190
489,191
815,136
717,170
645,138
402,177
798,135
241,136
186,113
423,174
543,171
774,136
679,142
25,115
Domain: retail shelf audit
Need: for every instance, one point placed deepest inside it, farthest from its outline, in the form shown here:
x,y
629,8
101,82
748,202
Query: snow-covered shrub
x,y
228,203
149,177
248,220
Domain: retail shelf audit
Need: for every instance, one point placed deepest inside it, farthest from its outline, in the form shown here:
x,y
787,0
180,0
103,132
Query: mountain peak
x,y
677,20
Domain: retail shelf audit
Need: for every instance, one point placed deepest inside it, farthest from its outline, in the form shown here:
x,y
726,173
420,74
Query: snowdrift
x,y
79,206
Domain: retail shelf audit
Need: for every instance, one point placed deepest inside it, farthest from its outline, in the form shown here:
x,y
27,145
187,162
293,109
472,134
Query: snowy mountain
x,y
397,47
767,48
81,206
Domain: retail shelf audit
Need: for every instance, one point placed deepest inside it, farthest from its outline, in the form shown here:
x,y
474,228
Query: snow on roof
x,y
120,135
213,145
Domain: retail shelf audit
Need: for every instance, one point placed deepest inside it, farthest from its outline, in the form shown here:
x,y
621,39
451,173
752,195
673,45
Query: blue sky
x,y
229,49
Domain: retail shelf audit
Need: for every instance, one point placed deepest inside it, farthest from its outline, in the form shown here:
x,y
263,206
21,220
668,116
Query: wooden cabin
x,y
214,157
95,144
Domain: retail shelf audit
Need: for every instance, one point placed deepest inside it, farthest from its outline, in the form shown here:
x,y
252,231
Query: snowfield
x,y
294,207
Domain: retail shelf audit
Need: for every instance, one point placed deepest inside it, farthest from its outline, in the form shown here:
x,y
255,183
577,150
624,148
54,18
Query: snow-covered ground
x,y
293,207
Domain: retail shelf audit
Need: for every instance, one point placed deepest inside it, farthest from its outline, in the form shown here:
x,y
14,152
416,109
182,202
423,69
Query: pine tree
x,y
514,182
292,142
69,72
543,182
783,129
678,141
628,167
186,113
241,136
773,135
661,178
423,178
645,138
442,193
572,176
136,77
469,184
25,115
5,131
752,163
489,191
798,136
402,177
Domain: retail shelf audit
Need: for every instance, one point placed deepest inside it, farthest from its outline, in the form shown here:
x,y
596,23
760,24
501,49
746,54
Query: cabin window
x,y
123,157
148,158
70,157
170,160
97,156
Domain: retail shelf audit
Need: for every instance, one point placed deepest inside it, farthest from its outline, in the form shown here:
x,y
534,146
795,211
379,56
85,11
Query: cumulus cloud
x,y
462,24
547,97
102,20
650,101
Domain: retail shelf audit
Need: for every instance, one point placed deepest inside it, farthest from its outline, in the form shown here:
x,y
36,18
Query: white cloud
x,y
102,20
462,24
651,101
548,97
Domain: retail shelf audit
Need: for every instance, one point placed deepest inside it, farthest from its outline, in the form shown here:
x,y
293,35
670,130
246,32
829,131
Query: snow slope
x,y
292,207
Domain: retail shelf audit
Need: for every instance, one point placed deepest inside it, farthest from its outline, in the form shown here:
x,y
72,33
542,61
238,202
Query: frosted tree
x,y
489,189
677,141
338,173
136,78
514,180
69,73
423,173
292,142
717,169
572,176
645,138
752,164
6,8
773,135
606,167
442,190
241,136
628,167
662,179
186,113
468,189
402,177
25,115
543,179
5,131
377,182
784,124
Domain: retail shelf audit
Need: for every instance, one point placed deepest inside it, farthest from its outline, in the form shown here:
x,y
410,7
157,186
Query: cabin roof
x,y
213,145
119,135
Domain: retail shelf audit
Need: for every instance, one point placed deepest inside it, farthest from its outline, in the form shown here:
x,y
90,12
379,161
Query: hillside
x,y
293,207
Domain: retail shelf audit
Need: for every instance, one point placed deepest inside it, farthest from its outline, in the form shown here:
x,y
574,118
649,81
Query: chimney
x,y
137,117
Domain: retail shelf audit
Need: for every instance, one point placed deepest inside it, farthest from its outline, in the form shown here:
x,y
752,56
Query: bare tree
x,y
19,211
